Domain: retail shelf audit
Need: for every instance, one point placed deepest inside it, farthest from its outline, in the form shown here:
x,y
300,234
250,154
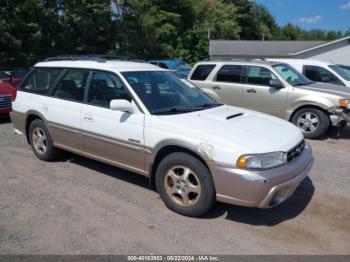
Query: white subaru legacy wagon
x,y
142,118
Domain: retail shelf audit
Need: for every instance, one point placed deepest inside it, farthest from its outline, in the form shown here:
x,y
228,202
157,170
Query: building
x,y
337,51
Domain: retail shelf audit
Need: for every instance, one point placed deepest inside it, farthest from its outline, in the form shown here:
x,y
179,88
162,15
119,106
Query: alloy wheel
x,y
182,186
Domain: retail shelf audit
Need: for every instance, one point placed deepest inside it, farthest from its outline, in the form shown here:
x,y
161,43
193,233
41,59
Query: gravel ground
x,y
79,206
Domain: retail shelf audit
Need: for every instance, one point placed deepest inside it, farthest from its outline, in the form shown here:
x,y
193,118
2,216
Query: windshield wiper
x,y
176,110
206,105
185,109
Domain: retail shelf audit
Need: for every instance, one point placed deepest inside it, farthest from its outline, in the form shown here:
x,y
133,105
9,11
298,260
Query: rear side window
x,y
40,80
257,75
72,85
201,72
320,74
230,73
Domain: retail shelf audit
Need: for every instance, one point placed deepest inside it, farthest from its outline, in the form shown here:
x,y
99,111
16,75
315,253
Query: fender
x,y
321,102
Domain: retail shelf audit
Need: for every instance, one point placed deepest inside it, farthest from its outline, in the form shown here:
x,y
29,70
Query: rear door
x,y
110,135
227,84
258,95
64,108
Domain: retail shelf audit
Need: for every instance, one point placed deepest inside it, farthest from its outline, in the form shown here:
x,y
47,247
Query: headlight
x,y
262,161
344,103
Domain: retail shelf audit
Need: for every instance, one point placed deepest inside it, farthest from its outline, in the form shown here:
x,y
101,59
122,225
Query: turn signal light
x,y
343,102
241,162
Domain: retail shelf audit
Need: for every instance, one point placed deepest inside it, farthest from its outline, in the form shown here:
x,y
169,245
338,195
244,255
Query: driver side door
x,y
258,95
112,136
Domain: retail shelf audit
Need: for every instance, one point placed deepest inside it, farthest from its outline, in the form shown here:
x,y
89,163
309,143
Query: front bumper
x,y
263,188
338,116
5,111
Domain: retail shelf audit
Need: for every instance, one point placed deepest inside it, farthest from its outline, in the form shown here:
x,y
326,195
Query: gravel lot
x,y
80,206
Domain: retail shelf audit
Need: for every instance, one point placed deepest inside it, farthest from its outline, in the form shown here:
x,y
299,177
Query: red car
x,y
10,79
7,95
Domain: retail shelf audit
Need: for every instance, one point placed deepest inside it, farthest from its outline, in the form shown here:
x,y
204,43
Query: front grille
x,y
5,101
296,151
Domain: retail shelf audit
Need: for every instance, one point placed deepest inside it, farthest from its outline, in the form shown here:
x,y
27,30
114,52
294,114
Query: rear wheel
x,y
185,184
41,142
313,122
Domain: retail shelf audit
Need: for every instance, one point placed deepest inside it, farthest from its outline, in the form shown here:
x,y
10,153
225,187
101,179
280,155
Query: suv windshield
x,y
291,75
342,70
164,93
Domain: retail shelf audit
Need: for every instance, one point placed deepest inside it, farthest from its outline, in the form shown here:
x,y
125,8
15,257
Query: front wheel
x,y
313,122
185,184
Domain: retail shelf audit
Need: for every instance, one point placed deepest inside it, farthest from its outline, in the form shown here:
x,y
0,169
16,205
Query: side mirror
x,y
276,83
122,105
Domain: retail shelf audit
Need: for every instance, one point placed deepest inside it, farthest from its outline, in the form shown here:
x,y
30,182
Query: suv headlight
x,y
344,103
262,161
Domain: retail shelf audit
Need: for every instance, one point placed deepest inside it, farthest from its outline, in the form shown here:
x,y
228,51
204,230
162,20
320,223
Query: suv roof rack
x,y
228,59
97,58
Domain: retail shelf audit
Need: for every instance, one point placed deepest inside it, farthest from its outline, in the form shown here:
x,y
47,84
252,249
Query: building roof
x,y
250,48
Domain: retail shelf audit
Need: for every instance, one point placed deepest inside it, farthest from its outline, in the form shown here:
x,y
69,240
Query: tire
x,y
182,173
41,142
313,122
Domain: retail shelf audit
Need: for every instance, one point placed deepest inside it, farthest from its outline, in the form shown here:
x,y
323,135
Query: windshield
x,y
3,75
19,73
182,66
342,70
291,75
164,93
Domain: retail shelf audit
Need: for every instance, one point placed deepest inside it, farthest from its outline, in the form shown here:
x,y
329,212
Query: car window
x,y
19,73
72,85
40,80
202,72
257,75
343,71
164,93
3,75
105,87
291,75
230,74
163,65
320,74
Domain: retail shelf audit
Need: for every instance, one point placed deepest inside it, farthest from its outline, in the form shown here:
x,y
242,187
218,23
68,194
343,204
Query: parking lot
x,y
79,206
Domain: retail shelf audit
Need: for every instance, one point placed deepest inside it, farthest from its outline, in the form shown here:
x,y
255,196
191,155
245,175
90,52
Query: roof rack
x,y
228,59
97,58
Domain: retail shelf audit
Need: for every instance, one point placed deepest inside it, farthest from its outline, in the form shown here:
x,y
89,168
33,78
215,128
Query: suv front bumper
x,y
263,188
338,116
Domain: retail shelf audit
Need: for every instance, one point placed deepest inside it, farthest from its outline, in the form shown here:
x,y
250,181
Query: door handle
x,y
251,91
216,87
88,118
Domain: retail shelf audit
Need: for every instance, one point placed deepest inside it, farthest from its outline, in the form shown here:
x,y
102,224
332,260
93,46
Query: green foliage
x,y
31,30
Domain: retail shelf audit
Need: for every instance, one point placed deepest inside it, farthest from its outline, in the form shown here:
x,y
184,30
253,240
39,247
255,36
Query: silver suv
x,y
277,89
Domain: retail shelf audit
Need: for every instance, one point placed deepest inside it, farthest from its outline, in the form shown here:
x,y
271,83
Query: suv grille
x,y
5,101
296,151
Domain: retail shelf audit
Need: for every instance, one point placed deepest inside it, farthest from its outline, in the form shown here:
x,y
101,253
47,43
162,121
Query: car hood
x,y
6,89
248,130
333,89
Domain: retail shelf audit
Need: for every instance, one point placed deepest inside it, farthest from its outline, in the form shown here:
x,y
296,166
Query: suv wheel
x,y
314,123
185,184
41,142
